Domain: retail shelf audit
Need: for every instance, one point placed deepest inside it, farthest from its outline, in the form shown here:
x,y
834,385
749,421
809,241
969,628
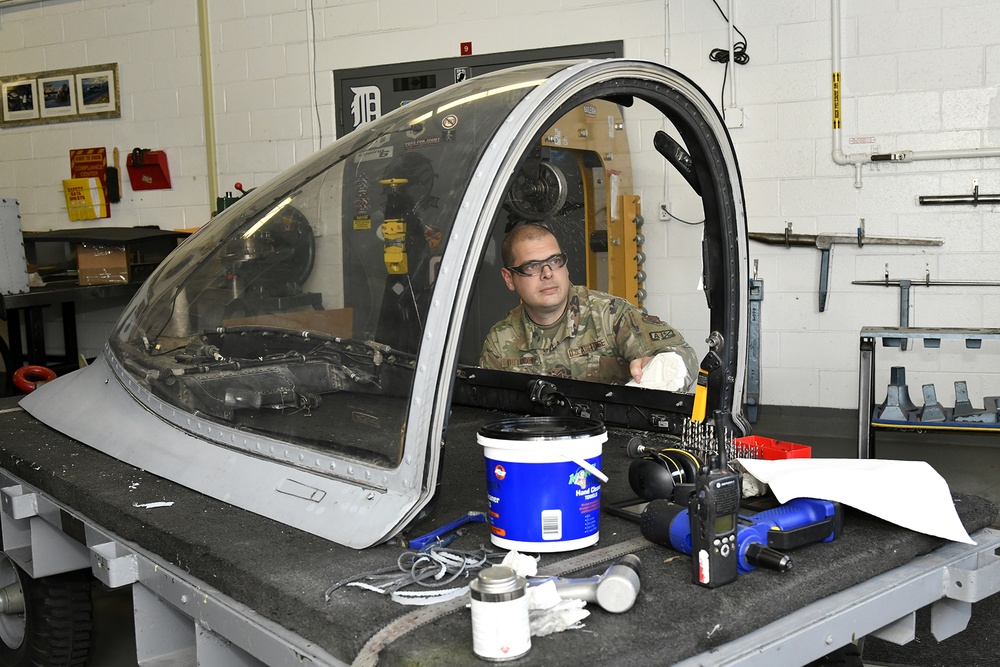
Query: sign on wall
x,y
363,94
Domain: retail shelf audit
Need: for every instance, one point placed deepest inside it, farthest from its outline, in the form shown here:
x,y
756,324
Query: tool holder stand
x,y
898,411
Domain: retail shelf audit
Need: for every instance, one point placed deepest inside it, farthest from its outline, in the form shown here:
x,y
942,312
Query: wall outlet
x,y
665,211
734,117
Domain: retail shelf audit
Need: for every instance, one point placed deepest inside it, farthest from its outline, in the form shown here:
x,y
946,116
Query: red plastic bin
x,y
770,449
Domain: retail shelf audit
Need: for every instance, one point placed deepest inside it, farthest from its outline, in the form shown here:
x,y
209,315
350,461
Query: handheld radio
x,y
713,509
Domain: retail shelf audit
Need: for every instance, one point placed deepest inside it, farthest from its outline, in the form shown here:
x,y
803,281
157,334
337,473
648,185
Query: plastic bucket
x,y
542,482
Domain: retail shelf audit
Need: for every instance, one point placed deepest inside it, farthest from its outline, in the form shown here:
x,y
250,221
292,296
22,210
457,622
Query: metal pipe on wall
x,y
666,32
316,122
732,55
208,99
855,159
858,159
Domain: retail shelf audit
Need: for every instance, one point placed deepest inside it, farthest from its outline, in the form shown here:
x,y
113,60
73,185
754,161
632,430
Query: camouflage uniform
x,y
595,340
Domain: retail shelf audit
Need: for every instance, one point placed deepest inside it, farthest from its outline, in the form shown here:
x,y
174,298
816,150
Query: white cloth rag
x,y
548,612
666,372
525,566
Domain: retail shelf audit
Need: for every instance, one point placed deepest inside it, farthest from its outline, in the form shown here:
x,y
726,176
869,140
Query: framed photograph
x,y
57,95
96,92
60,96
20,100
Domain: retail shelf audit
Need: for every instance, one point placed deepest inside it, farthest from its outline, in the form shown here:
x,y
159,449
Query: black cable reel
x,y
668,473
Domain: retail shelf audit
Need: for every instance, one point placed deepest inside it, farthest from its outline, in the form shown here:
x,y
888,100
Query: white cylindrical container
x,y
540,484
500,629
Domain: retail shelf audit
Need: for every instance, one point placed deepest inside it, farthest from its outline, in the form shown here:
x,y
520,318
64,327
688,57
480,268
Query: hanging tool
x,y
753,347
825,242
113,178
975,198
905,285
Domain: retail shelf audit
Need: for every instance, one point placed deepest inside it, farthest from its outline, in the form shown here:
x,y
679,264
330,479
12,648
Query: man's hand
x,y
668,373
635,367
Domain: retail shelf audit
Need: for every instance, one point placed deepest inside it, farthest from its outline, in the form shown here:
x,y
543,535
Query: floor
x,y
968,462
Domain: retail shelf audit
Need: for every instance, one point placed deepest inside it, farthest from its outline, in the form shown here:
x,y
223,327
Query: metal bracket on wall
x,y
753,348
825,242
904,291
975,199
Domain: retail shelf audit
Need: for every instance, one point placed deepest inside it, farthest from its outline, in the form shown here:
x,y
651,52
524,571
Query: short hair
x,y
526,232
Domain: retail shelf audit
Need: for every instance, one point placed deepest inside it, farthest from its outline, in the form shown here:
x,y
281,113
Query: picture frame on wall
x,y
96,91
57,96
60,96
20,100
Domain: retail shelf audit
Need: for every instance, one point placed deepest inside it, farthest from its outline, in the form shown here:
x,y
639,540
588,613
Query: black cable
x,y
722,55
312,65
686,222
739,55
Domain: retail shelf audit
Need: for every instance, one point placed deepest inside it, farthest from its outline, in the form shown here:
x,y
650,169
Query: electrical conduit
x,y
858,159
212,177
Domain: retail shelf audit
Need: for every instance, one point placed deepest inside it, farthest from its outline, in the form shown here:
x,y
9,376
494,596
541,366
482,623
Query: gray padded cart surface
x,y
282,573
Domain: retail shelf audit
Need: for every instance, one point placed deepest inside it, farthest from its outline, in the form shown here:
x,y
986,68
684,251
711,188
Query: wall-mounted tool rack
x,y
869,415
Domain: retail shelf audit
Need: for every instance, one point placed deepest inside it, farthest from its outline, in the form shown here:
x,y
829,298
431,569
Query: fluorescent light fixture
x,y
486,93
263,221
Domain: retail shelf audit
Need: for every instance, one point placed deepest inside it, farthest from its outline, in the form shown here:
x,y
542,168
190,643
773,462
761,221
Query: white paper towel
x,y
910,494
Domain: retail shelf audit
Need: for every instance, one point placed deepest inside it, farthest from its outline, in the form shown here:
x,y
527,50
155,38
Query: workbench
x,y
211,577
63,290
30,305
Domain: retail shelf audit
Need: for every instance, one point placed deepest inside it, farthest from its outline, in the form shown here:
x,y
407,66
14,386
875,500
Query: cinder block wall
x,y
916,76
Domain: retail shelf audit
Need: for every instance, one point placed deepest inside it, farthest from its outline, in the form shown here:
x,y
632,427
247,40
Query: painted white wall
x,y
917,75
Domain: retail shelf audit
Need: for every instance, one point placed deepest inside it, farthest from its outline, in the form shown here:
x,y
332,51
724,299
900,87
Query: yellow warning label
x,y
836,100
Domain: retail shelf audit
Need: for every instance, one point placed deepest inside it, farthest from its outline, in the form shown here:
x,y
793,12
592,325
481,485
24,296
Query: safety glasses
x,y
535,267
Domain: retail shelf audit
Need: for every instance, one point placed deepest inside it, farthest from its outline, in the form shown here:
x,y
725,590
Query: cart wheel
x,y
45,622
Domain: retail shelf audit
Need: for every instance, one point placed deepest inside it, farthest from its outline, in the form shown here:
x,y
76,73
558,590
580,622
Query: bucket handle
x,y
589,467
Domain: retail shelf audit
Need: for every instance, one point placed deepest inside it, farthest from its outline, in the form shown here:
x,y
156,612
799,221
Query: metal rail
x,y
195,623
950,579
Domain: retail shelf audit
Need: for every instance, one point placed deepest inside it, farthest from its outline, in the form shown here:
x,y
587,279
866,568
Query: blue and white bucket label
x,y
543,506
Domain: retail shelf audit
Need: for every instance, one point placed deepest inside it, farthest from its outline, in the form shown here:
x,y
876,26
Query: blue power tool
x,y
761,539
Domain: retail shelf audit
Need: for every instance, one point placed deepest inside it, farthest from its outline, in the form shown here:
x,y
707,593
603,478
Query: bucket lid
x,y
542,428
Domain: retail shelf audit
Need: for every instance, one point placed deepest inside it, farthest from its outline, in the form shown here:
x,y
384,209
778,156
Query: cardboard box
x,y
101,264
99,255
